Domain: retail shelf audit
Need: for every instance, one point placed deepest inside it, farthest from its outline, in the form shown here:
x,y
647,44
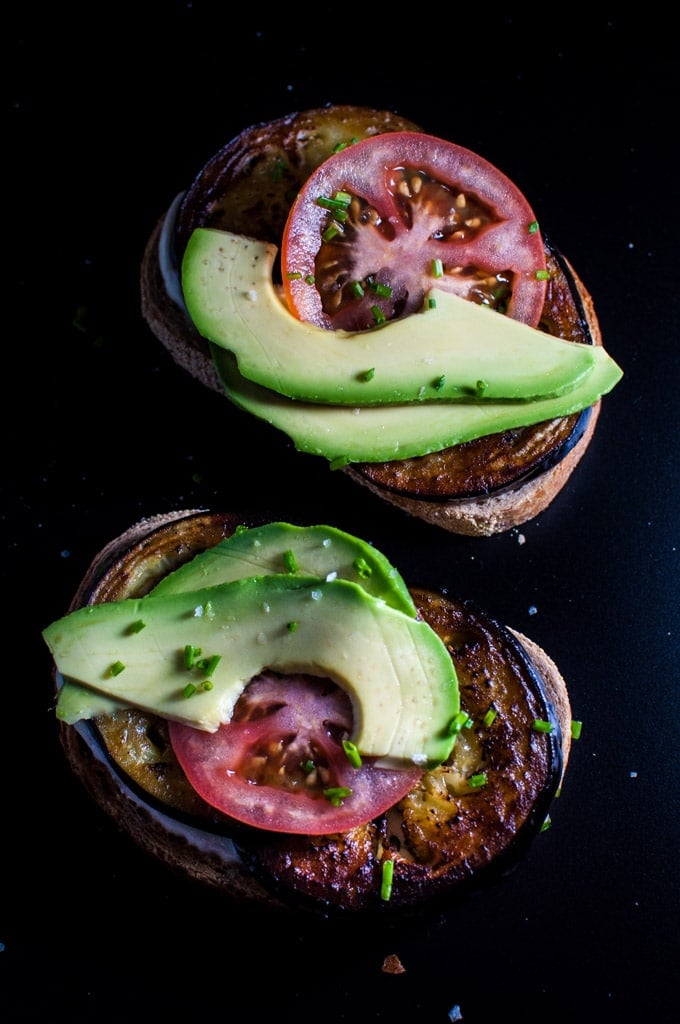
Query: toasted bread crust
x,y
200,856
494,513
556,690
169,322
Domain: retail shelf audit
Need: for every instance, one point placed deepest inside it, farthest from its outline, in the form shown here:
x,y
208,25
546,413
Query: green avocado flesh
x,y
396,670
321,551
379,434
455,351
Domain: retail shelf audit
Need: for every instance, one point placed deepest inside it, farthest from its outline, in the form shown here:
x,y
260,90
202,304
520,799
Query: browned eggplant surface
x,y
470,818
498,461
249,185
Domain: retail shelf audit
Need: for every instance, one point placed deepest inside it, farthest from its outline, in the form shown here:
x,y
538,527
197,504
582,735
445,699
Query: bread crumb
x,y
393,965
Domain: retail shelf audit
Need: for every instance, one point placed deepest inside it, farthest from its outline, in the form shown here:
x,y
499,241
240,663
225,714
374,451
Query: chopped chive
x,y
336,794
310,279
489,716
352,751
431,302
540,725
188,691
481,386
386,879
478,780
294,275
331,231
367,374
191,655
117,668
533,227
241,528
378,315
337,205
339,462
290,561
546,823
208,665
137,627
439,383
357,289
459,721
307,766
292,626
437,268
79,320
384,291
542,275
206,685
576,730
362,567
280,170
343,145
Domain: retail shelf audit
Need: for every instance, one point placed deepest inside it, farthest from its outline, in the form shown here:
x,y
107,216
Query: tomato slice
x,y
383,221
279,763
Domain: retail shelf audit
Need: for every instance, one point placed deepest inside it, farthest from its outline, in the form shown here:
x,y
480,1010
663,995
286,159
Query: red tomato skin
x,y
412,236
279,723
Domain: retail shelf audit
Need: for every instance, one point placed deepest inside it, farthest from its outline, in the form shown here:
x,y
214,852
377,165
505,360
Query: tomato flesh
x,y
385,220
279,763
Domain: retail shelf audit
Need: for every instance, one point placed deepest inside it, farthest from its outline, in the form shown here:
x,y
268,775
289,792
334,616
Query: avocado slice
x,y
321,551
395,669
457,350
401,431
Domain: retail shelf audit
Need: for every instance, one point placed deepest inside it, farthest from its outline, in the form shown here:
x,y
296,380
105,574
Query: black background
x,y
110,112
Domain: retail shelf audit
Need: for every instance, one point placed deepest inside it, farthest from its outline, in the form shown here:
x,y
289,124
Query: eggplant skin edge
x,y
245,863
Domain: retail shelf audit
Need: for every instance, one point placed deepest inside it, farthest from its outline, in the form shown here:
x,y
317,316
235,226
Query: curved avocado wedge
x,y
321,551
395,669
455,351
401,431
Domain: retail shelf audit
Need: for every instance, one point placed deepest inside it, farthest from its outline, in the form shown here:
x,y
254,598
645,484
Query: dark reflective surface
x,y
107,119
